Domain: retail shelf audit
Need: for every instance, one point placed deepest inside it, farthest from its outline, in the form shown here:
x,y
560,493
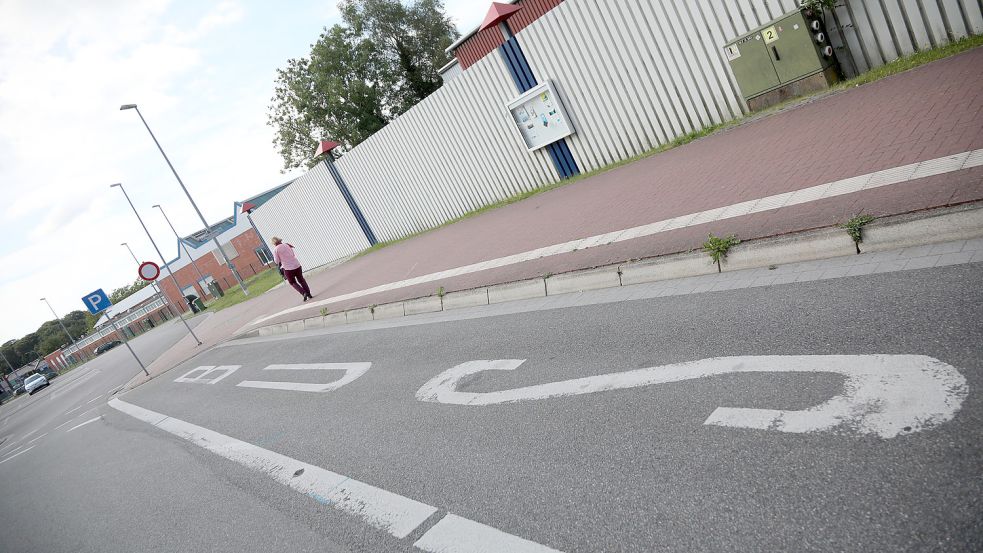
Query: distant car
x,y
34,383
107,346
47,372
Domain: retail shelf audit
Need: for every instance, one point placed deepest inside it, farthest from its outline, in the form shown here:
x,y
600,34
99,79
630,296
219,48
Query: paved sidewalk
x,y
944,254
930,112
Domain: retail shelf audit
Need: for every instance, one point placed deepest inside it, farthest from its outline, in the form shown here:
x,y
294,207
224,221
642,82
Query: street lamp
x,y
228,263
164,261
63,326
201,277
152,283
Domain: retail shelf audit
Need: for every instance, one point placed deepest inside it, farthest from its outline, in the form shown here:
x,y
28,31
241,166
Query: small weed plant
x,y
717,247
855,228
440,292
324,312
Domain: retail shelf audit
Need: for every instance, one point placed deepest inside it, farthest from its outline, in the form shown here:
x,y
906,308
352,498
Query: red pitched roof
x,y
498,13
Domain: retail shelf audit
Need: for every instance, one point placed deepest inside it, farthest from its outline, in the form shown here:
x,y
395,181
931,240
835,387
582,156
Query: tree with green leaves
x,y
127,290
381,61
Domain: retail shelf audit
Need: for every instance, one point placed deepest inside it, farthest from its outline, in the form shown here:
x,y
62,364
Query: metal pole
x,y
157,291
127,342
249,217
62,326
201,277
166,266
188,194
9,366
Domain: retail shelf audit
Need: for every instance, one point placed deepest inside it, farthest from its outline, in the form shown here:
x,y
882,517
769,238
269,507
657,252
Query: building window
x,y
229,250
264,256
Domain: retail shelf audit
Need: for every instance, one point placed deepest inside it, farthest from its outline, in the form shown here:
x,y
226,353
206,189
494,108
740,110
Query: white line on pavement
x,y
454,534
886,177
352,372
16,454
379,508
66,422
38,438
75,409
93,399
384,510
885,395
84,423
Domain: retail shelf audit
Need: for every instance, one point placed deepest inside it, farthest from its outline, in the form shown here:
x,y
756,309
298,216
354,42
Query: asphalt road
x,y
637,469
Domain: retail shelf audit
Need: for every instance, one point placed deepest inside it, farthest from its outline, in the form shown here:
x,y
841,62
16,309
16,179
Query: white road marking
x,y
384,510
38,438
67,422
93,399
886,177
207,370
74,383
16,449
31,432
83,424
454,534
885,395
352,372
16,454
75,409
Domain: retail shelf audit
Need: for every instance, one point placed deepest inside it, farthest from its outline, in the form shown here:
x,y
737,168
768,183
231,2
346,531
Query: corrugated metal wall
x,y
312,215
881,31
633,75
452,153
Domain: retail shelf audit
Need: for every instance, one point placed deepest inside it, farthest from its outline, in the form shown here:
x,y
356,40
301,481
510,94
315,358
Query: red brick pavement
x,y
925,113
929,112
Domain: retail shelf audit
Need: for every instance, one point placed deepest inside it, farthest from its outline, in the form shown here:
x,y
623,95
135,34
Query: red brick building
x,y
239,240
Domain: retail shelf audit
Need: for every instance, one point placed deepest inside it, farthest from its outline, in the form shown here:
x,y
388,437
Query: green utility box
x,y
784,58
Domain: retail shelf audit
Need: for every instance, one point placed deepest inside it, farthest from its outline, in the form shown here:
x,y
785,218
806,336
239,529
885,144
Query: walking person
x,y
293,273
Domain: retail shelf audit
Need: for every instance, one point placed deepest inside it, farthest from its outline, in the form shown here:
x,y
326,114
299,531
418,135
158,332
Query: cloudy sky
x,y
202,73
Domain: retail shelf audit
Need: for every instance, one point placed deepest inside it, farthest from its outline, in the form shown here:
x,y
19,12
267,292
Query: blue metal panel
x,y
522,76
350,200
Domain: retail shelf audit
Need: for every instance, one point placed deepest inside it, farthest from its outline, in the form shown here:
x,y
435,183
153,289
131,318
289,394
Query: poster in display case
x,y
539,116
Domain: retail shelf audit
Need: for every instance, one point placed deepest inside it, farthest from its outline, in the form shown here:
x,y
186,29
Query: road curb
x,y
961,222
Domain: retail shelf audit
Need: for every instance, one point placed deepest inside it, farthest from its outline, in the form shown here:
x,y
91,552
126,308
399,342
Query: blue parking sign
x,y
96,301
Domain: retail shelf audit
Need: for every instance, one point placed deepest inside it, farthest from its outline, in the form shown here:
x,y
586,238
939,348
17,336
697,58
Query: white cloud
x,y
202,74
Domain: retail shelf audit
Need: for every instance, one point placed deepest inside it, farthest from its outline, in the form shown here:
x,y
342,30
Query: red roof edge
x,y
498,13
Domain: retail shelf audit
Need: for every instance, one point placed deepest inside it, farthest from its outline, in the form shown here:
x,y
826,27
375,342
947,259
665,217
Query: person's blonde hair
x,y
275,241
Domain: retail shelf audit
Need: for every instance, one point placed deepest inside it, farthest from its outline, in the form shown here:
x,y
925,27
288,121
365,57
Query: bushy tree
x,y
127,290
381,61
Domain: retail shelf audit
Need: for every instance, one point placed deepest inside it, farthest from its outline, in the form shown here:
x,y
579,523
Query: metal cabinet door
x,y
792,48
752,65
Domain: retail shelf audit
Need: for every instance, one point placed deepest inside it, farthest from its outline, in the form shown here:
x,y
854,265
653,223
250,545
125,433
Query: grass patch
x,y
899,65
258,285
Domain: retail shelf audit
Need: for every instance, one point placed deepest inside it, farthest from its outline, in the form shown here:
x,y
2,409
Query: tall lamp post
x,y
162,260
228,263
152,283
9,366
77,349
201,277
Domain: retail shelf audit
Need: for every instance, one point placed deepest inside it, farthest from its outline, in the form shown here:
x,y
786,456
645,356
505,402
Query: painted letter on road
x,y
884,395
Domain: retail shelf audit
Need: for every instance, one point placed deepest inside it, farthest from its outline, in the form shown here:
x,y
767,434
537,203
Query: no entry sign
x,y
149,271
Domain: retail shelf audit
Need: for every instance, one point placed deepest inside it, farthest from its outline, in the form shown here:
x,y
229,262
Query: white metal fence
x,y
454,152
876,32
312,215
634,74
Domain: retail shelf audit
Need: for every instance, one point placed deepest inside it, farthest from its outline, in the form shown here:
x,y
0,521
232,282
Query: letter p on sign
x,y
96,301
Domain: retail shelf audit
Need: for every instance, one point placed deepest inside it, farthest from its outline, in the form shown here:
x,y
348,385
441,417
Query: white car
x,y
34,383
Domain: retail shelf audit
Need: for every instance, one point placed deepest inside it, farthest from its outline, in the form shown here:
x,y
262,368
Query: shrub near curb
x,y
717,247
855,228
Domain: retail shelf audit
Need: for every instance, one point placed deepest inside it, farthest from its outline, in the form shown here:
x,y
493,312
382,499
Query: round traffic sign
x,y
149,271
